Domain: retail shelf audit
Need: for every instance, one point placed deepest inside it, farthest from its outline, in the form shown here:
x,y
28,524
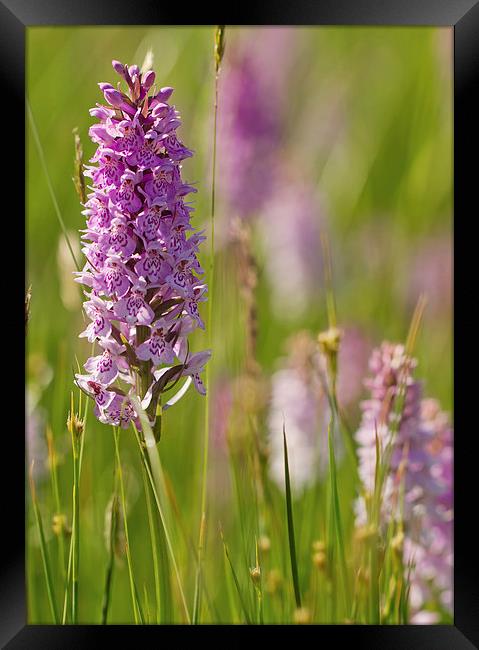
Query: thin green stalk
x,y
49,183
127,539
259,589
289,514
201,535
75,530
67,583
154,476
52,456
154,547
235,578
111,551
44,551
71,548
189,543
336,516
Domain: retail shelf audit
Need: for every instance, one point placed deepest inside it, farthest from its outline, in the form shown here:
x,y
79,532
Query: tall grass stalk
x,y
152,465
239,591
336,518
75,530
71,551
332,358
134,601
289,516
219,45
162,601
53,461
111,556
76,428
44,551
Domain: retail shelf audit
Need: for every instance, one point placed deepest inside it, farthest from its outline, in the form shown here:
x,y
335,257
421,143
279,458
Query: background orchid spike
x,y
421,463
142,269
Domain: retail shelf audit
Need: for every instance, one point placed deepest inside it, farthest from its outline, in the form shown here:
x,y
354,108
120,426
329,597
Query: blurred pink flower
x,y
252,95
290,225
431,273
353,356
423,444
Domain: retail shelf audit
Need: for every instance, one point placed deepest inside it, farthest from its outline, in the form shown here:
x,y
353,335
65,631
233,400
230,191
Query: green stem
x,y
202,529
336,517
75,531
71,549
127,539
111,552
153,470
289,514
56,494
154,546
67,583
44,552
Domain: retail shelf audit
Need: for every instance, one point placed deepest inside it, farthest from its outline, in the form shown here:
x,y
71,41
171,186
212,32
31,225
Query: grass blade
x,y
44,552
235,578
153,469
111,552
53,461
127,539
289,515
219,50
162,579
336,516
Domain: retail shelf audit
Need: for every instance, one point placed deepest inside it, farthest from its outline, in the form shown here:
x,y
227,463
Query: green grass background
x,y
384,174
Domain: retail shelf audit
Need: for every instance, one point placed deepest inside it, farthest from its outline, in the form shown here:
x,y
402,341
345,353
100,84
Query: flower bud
x,y
113,97
164,94
148,80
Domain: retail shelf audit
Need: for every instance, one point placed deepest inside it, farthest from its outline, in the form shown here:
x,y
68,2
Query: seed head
x,y
319,559
60,526
274,580
219,46
255,573
75,424
302,616
329,341
397,543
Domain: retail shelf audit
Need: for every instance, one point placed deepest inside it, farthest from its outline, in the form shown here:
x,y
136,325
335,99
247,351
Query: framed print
x,y
246,401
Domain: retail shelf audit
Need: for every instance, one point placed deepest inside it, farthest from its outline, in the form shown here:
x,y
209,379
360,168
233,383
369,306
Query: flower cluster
x,y
252,99
247,139
299,401
421,460
141,256
290,226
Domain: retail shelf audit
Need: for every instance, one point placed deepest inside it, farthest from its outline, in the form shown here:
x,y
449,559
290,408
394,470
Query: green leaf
x,y
289,514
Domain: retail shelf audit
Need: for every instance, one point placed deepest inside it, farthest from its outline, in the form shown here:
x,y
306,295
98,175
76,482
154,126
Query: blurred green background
x,y
368,123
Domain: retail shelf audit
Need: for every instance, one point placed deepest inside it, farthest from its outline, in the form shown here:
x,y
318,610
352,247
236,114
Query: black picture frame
x,y
463,16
